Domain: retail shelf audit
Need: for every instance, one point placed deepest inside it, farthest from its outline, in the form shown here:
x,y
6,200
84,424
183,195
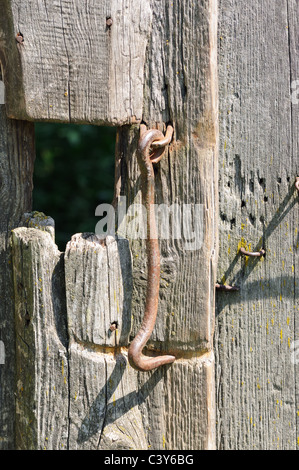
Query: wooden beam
x,y
70,64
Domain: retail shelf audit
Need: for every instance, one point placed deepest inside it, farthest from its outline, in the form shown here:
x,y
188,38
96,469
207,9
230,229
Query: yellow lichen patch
x,y
258,384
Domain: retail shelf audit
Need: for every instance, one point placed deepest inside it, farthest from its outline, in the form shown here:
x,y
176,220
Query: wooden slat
x,y
42,373
103,412
256,379
71,65
16,168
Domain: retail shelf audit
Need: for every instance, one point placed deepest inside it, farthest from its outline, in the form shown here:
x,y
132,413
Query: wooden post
x,y
257,379
42,386
75,314
16,168
181,87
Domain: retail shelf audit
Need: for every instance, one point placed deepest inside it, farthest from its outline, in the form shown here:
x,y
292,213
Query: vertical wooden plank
x,y
181,87
104,399
16,168
42,373
256,379
293,25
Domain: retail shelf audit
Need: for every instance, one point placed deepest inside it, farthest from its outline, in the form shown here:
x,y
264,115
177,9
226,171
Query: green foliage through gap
x,y
74,173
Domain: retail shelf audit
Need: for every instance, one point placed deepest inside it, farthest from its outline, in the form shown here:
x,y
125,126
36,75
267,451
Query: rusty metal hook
x,y
226,288
147,155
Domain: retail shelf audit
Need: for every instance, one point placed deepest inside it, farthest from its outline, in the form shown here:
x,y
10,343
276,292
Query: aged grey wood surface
x,y
99,290
73,391
71,66
257,382
181,87
110,405
104,397
16,168
42,371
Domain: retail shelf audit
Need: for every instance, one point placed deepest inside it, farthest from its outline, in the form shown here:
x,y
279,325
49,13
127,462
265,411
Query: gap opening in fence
x,y
74,173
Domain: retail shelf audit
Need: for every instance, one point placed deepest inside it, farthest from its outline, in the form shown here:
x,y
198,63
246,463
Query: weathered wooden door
x,y
67,384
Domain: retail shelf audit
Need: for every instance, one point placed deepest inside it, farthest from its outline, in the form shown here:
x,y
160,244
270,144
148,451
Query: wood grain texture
x,y
181,87
99,290
16,169
42,384
104,399
174,417
71,66
257,383
103,411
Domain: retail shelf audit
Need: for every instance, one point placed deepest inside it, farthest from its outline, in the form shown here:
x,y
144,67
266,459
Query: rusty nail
x,y
145,159
20,38
226,288
109,22
257,254
297,183
113,326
